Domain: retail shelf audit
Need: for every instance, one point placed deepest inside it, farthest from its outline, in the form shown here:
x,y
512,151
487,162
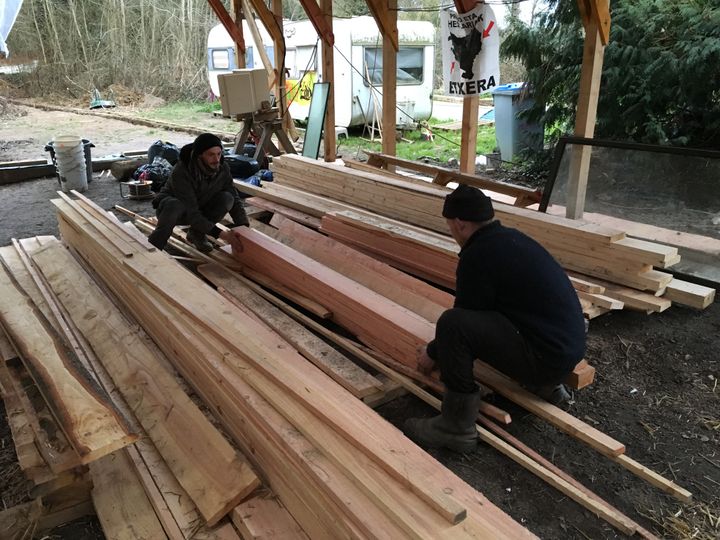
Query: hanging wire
x,y
432,9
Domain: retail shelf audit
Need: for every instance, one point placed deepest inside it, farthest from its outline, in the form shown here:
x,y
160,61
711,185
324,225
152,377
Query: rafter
x,y
379,10
322,27
228,23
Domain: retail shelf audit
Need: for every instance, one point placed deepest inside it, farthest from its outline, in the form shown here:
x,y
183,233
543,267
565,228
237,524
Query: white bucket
x,y
70,157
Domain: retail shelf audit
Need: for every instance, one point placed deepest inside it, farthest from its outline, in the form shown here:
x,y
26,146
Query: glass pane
x,y
220,59
409,65
672,191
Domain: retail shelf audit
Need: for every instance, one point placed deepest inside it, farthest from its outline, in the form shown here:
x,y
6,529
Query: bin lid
x,y
509,89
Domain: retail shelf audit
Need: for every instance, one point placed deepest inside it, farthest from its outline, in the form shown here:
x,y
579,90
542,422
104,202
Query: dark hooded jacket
x,y
194,185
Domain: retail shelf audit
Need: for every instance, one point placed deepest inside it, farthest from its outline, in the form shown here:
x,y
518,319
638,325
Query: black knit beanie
x,y
469,204
205,141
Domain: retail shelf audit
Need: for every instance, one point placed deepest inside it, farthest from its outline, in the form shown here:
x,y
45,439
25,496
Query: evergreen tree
x,y
660,81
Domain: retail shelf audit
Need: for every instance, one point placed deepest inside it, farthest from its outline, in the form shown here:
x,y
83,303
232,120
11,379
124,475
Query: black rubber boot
x,y
200,241
555,394
454,428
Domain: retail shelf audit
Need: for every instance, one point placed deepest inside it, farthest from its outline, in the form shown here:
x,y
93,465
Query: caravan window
x,y
305,60
220,59
409,65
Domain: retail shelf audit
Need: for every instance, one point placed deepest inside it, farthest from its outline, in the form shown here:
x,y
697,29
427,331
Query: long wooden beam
x,y
317,16
471,108
389,71
227,21
268,19
328,74
586,114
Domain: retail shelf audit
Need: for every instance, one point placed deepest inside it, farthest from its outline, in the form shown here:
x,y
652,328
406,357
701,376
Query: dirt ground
x,y
656,389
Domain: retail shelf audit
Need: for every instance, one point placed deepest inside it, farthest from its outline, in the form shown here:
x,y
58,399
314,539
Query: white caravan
x,y
358,59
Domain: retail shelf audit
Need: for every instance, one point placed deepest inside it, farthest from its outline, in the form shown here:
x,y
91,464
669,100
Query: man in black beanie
x,y
199,193
515,309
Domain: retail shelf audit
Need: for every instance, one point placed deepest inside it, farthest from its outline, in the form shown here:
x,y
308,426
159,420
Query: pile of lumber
x,y
399,221
395,331
330,466
299,254
165,485
339,469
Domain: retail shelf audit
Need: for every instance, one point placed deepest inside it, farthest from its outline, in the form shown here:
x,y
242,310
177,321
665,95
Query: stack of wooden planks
x,y
400,221
408,292
337,467
168,484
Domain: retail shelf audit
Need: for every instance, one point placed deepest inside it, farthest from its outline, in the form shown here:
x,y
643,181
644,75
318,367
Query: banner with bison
x,y
471,51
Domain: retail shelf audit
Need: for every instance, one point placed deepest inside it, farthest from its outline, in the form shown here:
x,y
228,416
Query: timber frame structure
x,y
595,16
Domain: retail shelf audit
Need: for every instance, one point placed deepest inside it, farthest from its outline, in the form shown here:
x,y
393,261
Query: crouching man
x,y
199,193
515,309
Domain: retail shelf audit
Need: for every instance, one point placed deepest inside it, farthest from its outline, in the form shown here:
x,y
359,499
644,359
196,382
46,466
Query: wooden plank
x,y
584,285
263,518
158,401
156,499
418,296
20,173
276,208
581,376
51,441
92,426
33,465
123,508
654,478
585,116
637,300
7,352
451,175
505,386
301,300
601,300
341,369
689,294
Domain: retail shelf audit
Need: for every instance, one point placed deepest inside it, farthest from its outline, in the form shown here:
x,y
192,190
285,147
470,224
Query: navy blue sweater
x,y
501,269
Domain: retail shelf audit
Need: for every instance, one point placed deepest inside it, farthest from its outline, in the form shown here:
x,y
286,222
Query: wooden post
x,y
279,48
236,6
328,75
471,106
585,118
468,141
389,101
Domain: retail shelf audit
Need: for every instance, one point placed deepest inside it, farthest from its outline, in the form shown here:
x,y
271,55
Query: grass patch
x,y
444,147
181,112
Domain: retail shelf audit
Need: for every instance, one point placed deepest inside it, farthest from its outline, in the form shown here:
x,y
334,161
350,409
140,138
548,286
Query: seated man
x,y
515,309
199,193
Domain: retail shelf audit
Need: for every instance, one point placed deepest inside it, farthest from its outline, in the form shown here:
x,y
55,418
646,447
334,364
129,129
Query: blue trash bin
x,y
513,134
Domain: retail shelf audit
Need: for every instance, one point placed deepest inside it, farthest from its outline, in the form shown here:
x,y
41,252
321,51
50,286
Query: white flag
x,y
471,51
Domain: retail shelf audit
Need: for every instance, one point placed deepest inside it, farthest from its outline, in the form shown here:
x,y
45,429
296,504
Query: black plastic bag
x,y
165,150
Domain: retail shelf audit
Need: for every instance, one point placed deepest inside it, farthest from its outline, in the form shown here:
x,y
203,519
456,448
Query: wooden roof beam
x,y
386,23
232,29
597,11
268,19
322,27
